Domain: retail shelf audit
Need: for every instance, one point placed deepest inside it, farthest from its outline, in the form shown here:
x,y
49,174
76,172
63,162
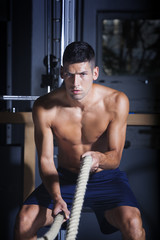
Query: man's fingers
x,y
67,215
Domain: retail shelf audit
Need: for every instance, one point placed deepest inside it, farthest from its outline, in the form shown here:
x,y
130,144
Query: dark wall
x,y
11,188
141,155
21,49
15,36
16,33
144,98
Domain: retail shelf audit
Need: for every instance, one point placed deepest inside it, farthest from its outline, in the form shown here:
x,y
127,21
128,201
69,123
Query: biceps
x,y
44,142
116,137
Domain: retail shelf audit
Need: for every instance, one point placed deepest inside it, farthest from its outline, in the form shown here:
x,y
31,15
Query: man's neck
x,y
84,103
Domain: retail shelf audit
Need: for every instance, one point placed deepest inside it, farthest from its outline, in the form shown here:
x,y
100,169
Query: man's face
x,y
78,78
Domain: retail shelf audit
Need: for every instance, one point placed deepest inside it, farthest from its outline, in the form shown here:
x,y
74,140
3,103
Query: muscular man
x,y
85,119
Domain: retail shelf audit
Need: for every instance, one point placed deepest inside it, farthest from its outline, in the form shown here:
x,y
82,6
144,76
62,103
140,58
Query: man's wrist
x,y
56,197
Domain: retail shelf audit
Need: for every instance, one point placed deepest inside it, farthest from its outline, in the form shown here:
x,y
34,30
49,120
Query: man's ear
x,y
95,73
62,72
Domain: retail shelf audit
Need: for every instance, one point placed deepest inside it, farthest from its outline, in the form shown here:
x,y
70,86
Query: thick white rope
x,y
72,228
54,229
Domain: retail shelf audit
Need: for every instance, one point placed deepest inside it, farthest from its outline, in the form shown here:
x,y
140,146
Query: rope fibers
x,y
72,228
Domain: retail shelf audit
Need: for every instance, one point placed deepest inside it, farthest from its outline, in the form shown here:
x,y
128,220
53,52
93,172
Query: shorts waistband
x,y
63,172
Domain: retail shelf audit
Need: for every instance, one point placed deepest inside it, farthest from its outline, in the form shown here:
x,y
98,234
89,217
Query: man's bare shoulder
x,y
114,100
110,94
50,100
48,104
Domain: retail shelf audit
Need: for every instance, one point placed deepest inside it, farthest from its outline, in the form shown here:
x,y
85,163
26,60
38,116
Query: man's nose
x,y
76,80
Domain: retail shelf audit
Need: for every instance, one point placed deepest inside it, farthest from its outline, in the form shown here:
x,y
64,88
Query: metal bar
x,y
49,34
68,26
18,98
9,72
9,63
49,39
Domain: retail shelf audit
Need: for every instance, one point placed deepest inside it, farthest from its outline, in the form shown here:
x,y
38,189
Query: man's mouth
x,y
76,91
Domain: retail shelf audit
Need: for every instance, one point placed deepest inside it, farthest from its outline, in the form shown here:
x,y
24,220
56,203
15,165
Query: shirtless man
x,y
85,119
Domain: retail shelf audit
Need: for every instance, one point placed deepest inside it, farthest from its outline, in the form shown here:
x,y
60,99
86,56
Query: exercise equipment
x,y
55,228
72,227
18,98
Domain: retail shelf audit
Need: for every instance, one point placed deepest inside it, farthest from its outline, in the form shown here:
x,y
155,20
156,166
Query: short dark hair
x,y
77,52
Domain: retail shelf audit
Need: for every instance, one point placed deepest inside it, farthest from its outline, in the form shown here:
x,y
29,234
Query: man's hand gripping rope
x,y
72,228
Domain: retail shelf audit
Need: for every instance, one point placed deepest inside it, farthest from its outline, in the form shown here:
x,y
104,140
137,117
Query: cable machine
x,y
60,31
59,22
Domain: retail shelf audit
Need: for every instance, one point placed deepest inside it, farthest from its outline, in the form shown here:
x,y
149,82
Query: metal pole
x,y
49,39
68,25
9,73
18,98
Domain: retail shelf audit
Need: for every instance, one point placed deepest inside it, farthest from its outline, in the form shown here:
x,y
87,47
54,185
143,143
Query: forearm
x,y
50,178
109,159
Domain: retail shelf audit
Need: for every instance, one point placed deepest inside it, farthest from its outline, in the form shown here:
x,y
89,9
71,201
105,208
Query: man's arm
x,y
45,149
115,134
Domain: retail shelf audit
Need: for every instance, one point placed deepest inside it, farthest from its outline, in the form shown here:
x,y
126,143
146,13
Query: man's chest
x,y
81,129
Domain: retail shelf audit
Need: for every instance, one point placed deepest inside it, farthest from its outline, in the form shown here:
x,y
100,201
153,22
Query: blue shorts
x,y
105,190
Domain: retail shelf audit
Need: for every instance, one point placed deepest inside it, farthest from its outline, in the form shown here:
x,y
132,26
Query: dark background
x,y
22,52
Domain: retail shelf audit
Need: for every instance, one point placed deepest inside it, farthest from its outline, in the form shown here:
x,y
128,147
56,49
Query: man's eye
x,y
83,74
68,74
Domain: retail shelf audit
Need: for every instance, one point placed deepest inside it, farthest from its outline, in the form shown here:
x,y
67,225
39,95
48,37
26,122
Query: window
x,y
131,46
128,56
